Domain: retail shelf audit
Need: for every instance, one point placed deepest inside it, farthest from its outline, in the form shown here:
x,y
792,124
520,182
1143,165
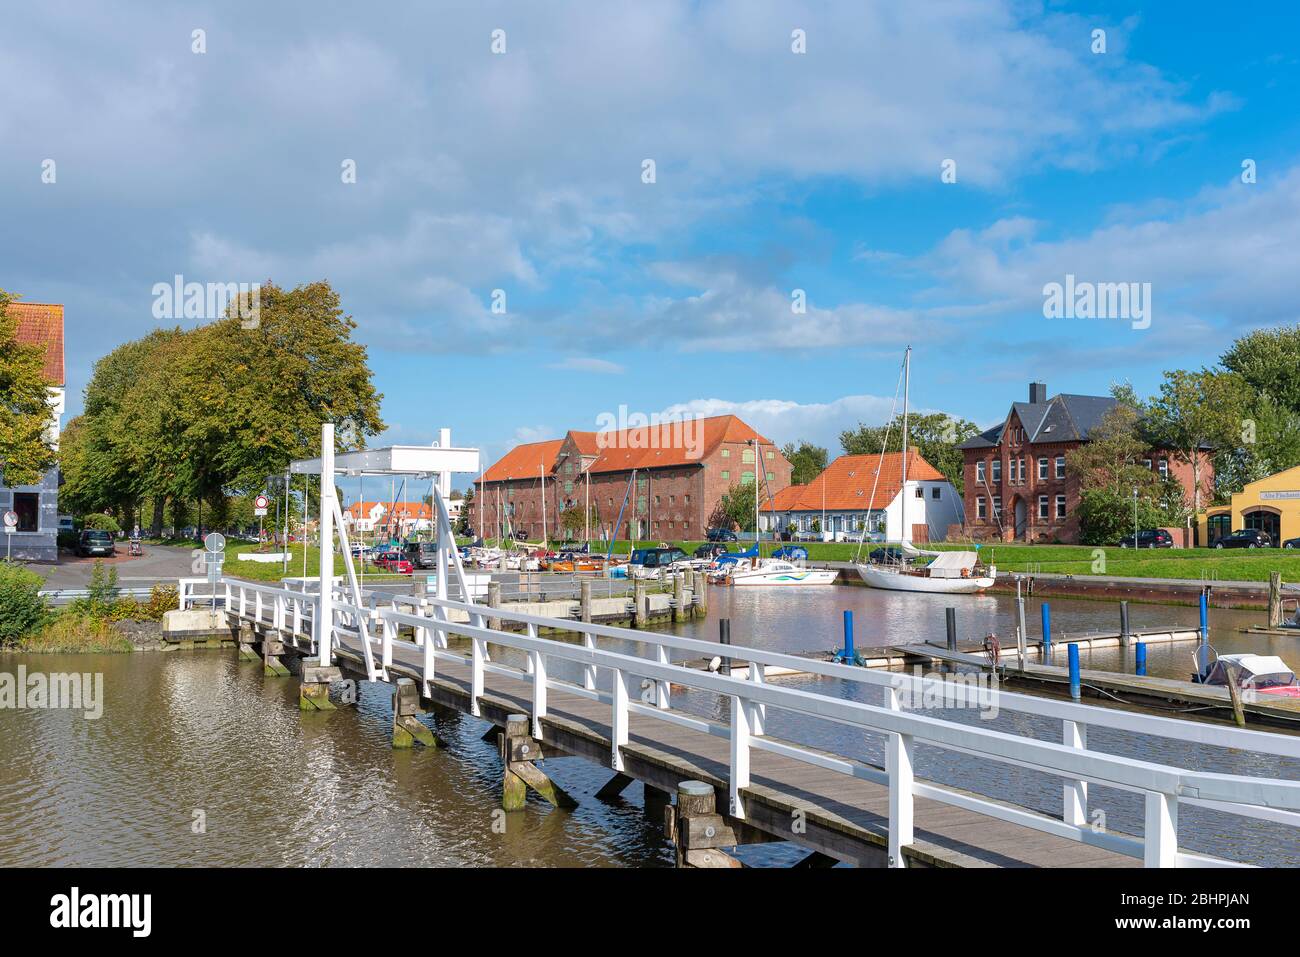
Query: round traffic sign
x,y
215,542
11,519
262,501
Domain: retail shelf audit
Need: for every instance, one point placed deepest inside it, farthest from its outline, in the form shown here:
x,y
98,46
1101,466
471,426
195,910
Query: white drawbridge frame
x,y
441,460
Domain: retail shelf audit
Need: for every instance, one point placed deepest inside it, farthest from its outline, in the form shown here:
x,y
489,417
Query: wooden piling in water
x,y
407,727
700,594
1275,599
314,690
698,830
584,599
519,751
272,650
679,597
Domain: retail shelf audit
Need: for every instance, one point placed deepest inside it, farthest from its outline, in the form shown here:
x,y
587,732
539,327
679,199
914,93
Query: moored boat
x,y
778,571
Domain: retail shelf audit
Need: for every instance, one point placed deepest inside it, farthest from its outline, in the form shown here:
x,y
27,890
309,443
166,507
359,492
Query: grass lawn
x,y
274,571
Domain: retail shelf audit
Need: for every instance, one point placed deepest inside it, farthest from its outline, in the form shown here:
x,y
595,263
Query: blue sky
x,y
522,171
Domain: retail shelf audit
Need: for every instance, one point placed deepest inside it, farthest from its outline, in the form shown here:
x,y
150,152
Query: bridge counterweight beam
x,y
272,651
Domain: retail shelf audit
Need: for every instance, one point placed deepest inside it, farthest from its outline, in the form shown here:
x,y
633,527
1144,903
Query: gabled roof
x,y
399,510
1062,418
648,447
41,324
524,461
848,483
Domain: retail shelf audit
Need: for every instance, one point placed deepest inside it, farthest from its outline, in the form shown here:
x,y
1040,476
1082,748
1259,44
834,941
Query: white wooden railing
x,y
378,625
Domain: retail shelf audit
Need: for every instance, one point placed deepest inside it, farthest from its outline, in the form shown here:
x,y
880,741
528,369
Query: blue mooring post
x,y
1141,658
850,656
1047,632
1074,671
1203,656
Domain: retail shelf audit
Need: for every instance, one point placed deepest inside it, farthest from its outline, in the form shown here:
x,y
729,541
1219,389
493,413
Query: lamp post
x,y
1135,518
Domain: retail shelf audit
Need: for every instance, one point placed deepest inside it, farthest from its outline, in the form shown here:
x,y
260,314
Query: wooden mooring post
x,y
679,597
700,594
246,638
272,651
314,691
407,727
584,599
697,830
519,749
1275,599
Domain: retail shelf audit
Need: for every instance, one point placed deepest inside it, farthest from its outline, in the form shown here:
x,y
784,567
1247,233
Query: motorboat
x,y
1263,674
778,571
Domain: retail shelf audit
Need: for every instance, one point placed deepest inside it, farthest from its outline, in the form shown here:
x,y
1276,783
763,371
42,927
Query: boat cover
x,y
952,564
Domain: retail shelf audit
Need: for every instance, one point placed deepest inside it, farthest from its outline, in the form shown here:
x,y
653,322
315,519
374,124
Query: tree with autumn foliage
x,y
26,452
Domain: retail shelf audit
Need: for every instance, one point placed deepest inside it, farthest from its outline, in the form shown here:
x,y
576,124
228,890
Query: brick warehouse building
x,y
1018,487
681,475
37,506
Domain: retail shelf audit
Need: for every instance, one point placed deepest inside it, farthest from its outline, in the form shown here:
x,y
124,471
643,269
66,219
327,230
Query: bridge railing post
x,y
738,773
478,655
388,631
662,686
898,765
589,671
757,710
618,726
1160,836
1075,735
539,691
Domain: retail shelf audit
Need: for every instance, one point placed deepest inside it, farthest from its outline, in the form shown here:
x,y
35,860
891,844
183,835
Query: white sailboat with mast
x,y
950,572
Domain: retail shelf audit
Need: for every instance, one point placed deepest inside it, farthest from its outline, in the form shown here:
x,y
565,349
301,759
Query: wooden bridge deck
x,y
843,817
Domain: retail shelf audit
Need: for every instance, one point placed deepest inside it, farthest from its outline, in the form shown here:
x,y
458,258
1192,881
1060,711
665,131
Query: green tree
x,y
1195,413
253,399
735,510
935,436
807,461
25,450
1268,360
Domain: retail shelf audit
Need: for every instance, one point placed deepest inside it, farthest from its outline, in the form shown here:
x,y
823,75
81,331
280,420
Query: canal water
x,y
199,760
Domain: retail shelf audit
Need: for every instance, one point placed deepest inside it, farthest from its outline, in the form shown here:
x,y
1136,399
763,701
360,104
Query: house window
x,y
1146,464
686,499
934,492
997,506
770,454
1042,468
746,456
1042,506
979,473
920,492
1020,470
656,499
1164,468
771,476
1060,466
997,471
726,474
28,507
1060,506
746,477
726,453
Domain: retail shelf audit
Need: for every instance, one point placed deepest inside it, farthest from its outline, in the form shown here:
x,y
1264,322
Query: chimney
x,y
1037,393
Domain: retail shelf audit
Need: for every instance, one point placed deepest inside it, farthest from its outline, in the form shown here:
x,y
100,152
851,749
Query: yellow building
x,y
1271,505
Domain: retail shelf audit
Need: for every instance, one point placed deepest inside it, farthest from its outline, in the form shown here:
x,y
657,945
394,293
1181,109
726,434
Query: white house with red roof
x,y
37,506
397,519
857,492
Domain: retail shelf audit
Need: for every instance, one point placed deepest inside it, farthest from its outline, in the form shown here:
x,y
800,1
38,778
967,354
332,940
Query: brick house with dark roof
x,y
681,472
1018,485
37,506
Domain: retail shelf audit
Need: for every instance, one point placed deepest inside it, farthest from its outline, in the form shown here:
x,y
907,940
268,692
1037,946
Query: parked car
x,y
711,550
1291,543
1149,538
891,555
1245,538
394,562
94,541
721,535
422,554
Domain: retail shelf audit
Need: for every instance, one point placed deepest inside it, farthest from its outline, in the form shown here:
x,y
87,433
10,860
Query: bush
x,y
162,599
102,595
100,520
73,632
23,611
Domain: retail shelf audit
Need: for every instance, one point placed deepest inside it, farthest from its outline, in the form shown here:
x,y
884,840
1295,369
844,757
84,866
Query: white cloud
x,y
784,420
589,364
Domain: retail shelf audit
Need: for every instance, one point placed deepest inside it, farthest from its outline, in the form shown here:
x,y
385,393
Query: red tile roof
x,y
399,509
524,461
649,447
41,324
848,482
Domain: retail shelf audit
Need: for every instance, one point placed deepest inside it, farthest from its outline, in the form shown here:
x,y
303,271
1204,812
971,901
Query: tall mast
x,y
907,383
541,470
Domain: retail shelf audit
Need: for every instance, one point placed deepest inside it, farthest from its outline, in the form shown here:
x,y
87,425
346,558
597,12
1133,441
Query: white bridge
x,y
624,698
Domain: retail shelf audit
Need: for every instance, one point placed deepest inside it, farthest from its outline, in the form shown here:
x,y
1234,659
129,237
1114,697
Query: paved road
x,y
159,563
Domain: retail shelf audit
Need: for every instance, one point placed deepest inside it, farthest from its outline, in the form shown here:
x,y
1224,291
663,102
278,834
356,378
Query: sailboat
x,y
949,573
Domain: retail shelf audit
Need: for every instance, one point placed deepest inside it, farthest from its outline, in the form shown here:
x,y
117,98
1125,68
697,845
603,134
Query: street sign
x,y
11,521
215,542
260,505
